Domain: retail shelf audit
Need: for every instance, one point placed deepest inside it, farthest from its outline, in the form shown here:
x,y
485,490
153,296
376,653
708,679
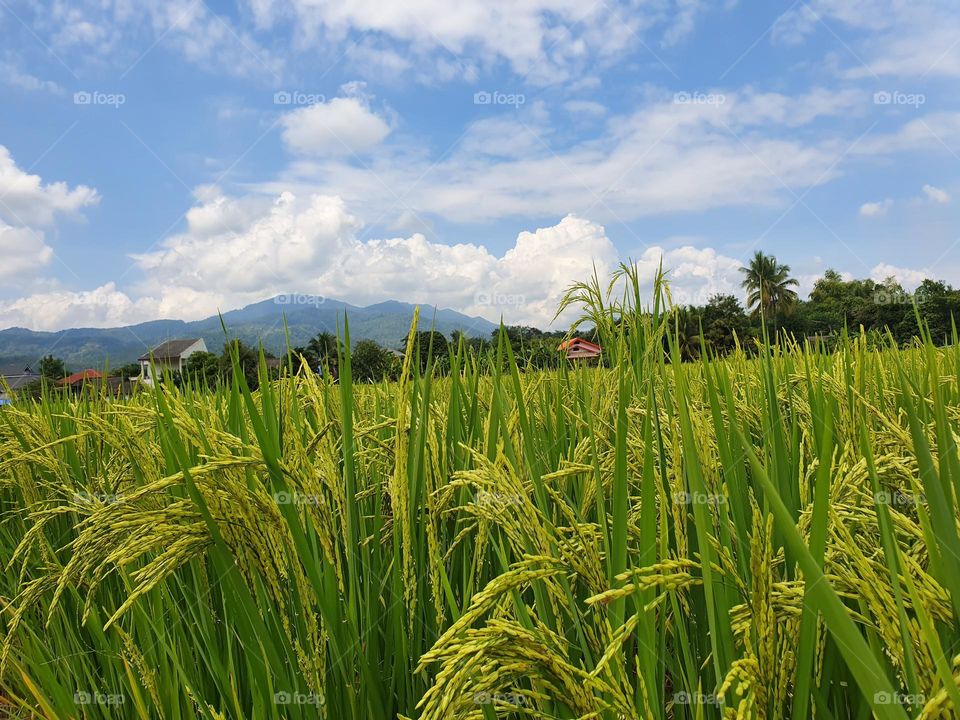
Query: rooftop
x,y
170,350
17,376
81,376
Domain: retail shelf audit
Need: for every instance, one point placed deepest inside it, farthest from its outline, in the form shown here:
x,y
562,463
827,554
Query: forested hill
x,y
387,323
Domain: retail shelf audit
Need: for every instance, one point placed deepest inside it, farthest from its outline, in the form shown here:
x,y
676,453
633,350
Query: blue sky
x,y
169,159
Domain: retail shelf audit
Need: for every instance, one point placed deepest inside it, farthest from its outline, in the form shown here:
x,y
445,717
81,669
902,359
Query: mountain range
x,y
306,315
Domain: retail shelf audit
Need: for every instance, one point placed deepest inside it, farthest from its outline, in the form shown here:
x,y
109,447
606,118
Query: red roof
x,y
580,343
81,376
577,348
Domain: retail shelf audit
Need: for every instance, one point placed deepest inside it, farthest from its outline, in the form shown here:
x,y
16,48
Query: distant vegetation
x,y
834,306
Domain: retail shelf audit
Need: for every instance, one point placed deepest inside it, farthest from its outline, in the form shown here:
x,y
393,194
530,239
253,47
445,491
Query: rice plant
x,y
771,534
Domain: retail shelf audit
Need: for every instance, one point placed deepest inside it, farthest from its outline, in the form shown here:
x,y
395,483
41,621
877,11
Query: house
x,y
79,379
14,377
171,355
579,349
114,386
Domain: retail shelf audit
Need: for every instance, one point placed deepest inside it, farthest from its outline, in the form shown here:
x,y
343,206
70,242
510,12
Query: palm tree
x,y
685,328
768,284
324,345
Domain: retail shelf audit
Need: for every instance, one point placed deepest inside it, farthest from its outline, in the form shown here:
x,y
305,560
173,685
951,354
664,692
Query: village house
x,y
78,379
579,349
171,355
14,378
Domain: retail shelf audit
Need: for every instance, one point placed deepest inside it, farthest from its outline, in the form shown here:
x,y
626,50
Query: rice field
x,y
766,535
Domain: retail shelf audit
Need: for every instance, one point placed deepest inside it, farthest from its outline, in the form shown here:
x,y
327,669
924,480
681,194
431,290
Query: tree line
x,y
834,305
773,309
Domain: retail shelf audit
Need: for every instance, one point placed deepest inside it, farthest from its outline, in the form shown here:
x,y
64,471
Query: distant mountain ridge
x,y
306,315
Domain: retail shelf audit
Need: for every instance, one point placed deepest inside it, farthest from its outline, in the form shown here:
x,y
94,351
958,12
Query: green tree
x,y
724,320
319,352
432,342
203,368
939,305
249,362
684,325
769,287
127,370
324,346
370,362
52,368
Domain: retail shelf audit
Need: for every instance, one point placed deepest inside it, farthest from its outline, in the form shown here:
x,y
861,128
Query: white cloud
x,y
544,40
240,250
27,204
586,108
907,277
13,75
119,33
695,274
892,38
246,249
665,157
936,195
26,200
875,209
23,250
312,246
55,309
344,125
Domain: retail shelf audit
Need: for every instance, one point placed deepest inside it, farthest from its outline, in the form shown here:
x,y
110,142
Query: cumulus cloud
x,y
231,255
58,308
907,277
27,204
22,250
936,195
875,209
26,200
240,250
342,126
695,274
